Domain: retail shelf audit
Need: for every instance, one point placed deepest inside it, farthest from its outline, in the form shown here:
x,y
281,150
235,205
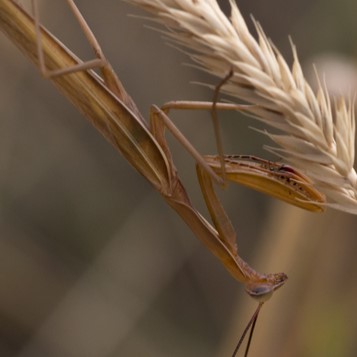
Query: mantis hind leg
x,y
110,78
98,62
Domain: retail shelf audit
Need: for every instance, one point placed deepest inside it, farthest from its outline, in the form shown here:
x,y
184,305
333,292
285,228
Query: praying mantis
x,y
112,111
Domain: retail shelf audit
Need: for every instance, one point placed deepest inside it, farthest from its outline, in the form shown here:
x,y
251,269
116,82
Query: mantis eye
x,y
260,292
263,290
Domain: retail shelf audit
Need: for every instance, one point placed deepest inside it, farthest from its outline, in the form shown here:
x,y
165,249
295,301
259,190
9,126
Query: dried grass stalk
x,y
313,135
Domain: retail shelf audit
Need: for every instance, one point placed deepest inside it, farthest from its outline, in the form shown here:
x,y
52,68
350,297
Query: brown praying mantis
x,y
107,105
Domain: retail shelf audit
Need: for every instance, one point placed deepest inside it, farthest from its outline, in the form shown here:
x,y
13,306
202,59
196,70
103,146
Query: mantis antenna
x,y
250,326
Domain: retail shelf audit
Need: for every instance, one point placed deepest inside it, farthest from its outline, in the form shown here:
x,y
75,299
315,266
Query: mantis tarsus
x,y
112,111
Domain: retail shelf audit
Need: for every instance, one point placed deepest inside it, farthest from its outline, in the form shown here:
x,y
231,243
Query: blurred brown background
x,y
92,261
